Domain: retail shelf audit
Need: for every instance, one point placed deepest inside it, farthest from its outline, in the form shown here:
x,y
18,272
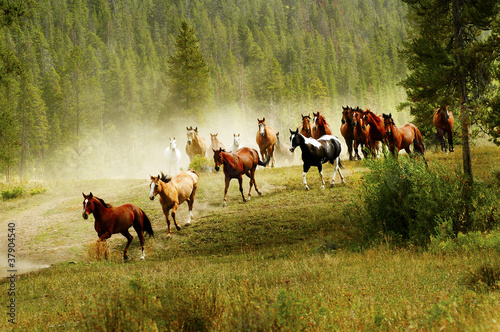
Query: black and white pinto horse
x,y
317,152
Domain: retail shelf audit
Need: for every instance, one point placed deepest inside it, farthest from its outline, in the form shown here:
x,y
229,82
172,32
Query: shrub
x,y
201,164
15,192
486,275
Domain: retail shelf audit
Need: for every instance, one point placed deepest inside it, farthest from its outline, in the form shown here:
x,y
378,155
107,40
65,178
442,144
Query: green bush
x,y
405,201
201,164
15,192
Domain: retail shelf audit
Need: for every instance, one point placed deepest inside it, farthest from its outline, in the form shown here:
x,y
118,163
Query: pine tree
x,y
188,75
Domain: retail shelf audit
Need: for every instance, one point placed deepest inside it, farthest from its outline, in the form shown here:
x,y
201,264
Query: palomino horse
x,y
235,164
173,157
320,127
403,137
111,220
443,121
318,152
173,192
282,150
266,140
195,143
347,130
376,131
236,143
306,128
215,143
360,133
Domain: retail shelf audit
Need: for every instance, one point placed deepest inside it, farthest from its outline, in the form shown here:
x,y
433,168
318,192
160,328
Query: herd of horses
x,y
360,128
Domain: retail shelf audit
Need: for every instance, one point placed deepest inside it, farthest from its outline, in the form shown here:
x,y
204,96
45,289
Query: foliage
x,y
201,164
484,275
406,201
15,192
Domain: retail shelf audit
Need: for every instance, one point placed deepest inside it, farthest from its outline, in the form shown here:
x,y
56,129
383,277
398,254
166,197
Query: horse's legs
x,y
165,212
336,168
450,141
190,204
227,180
129,237
305,169
174,210
272,155
240,182
140,233
356,153
251,175
440,134
350,149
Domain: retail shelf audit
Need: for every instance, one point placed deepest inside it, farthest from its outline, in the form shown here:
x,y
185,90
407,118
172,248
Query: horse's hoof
x,y
187,224
143,258
323,187
178,228
224,204
307,188
258,192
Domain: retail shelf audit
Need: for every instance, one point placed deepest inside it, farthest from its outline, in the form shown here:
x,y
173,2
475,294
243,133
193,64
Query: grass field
x,y
285,260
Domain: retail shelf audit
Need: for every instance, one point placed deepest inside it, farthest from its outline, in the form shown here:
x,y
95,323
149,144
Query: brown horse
x,y
443,121
360,133
266,140
196,145
235,164
111,220
347,130
403,137
215,143
305,128
376,131
320,127
173,192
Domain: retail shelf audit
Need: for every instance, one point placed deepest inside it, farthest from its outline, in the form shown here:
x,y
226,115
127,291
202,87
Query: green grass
x,y
282,261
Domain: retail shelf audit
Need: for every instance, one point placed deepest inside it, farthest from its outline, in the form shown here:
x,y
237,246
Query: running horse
x,y
173,157
173,192
266,140
376,130
316,153
111,220
235,164
347,130
196,145
320,127
360,133
403,137
306,128
443,121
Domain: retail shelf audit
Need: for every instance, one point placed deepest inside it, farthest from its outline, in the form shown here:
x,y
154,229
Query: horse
x,y
360,133
316,153
196,145
282,150
443,121
215,143
235,164
266,140
111,220
403,137
305,128
173,192
320,127
173,157
236,143
376,130
347,130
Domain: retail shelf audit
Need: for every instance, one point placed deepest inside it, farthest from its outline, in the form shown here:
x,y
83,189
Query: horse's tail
x,y
263,163
418,144
146,224
340,163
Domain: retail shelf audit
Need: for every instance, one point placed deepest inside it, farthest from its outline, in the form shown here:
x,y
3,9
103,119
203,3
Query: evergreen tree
x,y
188,75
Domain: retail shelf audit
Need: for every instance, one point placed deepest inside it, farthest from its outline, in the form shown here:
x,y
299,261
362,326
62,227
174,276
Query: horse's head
x,y
173,143
388,123
190,134
295,139
346,114
262,126
214,139
154,185
236,139
318,120
444,112
218,158
306,123
88,205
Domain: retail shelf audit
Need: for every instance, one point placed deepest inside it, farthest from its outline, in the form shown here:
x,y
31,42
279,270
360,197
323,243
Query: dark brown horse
x,y
443,121
320,127
266,140
111,220
235,164
402,137
196,145
360,133
306,128
173,192
347,130
376,131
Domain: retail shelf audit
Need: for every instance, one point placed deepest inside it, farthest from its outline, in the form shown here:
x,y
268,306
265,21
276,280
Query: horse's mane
x,y
106,205
165,178
373,116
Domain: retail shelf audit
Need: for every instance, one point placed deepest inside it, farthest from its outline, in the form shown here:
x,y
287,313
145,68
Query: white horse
x,y
236,143
173,157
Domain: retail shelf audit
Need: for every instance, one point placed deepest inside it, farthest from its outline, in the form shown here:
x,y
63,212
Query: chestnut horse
x,y
320,127
215,143
195,143
235,164
266,140
173,192
347,130
360,133
376,131
111,220
403,137
305,128
443,121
